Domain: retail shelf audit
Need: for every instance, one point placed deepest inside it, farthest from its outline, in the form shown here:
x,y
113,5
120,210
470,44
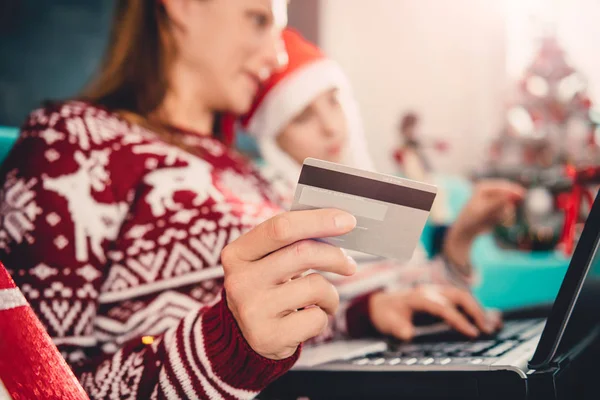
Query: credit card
x,y
391,212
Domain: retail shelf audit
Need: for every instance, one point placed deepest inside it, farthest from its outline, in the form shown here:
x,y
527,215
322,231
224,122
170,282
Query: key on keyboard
x,y
501,348
531,332
513,328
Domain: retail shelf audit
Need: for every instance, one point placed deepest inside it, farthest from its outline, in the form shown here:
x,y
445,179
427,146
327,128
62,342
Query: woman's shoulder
x,y
82,125
53,113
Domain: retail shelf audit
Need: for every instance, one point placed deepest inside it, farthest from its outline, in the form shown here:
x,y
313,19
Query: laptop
x,y
524,360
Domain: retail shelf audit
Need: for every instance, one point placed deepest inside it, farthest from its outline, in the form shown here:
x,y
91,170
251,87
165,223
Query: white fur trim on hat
x,y
292,94
279,160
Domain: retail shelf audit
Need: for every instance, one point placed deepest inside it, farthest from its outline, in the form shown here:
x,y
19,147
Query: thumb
x,y
402,327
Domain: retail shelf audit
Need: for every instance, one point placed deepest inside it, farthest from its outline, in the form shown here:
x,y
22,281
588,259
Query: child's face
x,y
319,131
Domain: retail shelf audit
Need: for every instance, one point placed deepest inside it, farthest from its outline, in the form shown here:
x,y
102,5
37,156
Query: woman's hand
x,y
392,313
492,202
275,306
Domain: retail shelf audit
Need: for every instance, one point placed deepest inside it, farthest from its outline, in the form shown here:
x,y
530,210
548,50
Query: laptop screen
x,y
572,305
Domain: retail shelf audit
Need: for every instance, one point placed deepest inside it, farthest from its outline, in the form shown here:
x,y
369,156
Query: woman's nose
x,y
275,56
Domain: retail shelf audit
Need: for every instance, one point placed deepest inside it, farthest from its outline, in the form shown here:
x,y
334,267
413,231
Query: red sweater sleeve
x,y
114,237
202,357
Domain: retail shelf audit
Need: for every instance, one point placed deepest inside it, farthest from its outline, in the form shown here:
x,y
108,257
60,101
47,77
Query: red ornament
x,y
399,156
30,365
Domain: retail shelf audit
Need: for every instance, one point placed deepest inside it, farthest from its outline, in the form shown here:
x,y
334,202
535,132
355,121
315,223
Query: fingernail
x,y
352,262
345,221
489,329
473,331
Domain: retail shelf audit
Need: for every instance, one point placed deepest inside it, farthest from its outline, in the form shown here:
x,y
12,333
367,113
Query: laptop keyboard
x,y
444,352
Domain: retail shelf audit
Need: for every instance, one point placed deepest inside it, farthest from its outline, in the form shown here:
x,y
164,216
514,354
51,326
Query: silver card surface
x,y
391,212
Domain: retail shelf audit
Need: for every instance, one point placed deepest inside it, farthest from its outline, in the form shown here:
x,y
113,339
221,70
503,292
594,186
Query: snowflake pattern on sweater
x,y
113,235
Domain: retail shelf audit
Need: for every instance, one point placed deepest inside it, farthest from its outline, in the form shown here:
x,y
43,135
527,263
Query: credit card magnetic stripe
x,y
365,187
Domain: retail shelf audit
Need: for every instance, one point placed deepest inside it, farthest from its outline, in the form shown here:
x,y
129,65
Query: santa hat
x,y
30,365
285,94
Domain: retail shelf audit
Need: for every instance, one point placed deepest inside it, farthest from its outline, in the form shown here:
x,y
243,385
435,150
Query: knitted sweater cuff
x,y
358,320
232,358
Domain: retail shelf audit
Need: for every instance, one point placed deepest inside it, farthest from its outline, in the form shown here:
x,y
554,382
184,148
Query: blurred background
x,y
456,63
494,85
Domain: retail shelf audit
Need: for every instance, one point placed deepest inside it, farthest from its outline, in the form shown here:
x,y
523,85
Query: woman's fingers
x,y
291,227
300,326
260,292
309,290
295,259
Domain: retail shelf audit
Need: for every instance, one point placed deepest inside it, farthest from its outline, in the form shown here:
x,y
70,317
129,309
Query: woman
x,y
116,213
307,110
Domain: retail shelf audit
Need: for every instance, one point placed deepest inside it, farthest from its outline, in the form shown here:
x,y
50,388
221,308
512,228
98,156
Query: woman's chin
x,y
239,107
240,103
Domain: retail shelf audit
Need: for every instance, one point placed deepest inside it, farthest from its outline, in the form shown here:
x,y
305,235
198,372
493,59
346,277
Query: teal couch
x,y
8,136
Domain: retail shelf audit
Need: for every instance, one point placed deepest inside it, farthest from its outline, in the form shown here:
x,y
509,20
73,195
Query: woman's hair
x,y
132,80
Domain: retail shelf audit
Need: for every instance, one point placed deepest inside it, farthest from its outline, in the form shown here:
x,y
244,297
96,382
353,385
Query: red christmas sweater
x,y
114,237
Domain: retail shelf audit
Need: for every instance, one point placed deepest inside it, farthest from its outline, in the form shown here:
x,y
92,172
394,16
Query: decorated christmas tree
x,y
551,145
551,120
